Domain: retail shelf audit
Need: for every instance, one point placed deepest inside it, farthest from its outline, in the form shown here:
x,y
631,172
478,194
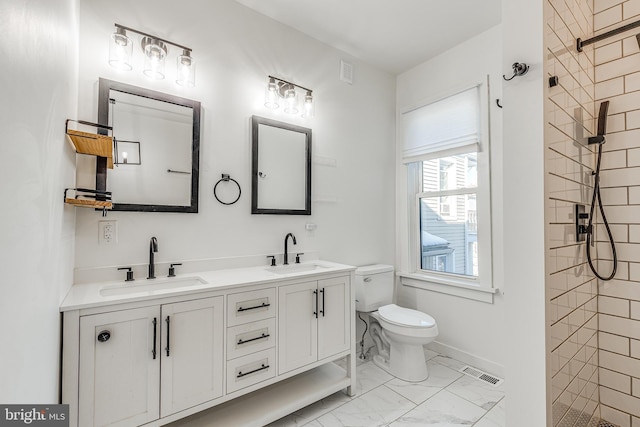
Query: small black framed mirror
x,y
281,168
156,149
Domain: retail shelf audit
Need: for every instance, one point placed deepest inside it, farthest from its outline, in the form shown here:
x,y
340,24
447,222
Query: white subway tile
x,y
607,17
623,214
614,343
635,348
614,416
615,380
629,46
634,233
621,326
630,9
636,422
620,177
635,385
624,402
634,195
635,310
600,5
617,68
633,119
613,306
622,288
633,155
609,88
609,52
614,159
632,82
616,123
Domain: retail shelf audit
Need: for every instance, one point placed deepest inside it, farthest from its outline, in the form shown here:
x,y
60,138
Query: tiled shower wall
x,y
570,287
617,77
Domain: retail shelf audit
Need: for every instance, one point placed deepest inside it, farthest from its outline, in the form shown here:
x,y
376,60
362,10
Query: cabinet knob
x,y
104,336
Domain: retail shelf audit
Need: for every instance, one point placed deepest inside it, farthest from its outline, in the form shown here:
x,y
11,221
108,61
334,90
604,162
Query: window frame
x,y
477,288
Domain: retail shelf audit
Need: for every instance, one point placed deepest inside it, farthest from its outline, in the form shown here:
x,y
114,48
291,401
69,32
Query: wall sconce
x,y
280,91
155,51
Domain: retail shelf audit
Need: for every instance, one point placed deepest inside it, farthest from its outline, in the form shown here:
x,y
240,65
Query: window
x,y
446,151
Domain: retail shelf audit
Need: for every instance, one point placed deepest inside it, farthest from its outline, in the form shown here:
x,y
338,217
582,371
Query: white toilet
x,y
399,333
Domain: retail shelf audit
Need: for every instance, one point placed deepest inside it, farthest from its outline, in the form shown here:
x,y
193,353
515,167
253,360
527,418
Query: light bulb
x,y
291,100
124,157
120,50
186,69
154,51
271,94
308,105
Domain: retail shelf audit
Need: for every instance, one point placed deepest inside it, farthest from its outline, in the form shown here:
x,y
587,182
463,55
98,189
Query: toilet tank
x,y
374,286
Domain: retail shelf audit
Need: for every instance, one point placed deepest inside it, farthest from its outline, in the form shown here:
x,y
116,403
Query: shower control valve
x,y
581,218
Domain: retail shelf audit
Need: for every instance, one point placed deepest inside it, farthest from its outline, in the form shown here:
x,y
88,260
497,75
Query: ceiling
x,y
393,35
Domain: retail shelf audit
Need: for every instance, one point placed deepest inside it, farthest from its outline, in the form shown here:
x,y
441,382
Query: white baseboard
x,y
477,362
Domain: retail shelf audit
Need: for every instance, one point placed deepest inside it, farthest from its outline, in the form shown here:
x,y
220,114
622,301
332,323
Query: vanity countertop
x,y
90,295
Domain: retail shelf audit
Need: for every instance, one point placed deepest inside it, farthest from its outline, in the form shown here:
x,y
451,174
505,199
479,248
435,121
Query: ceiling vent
x,y
346,71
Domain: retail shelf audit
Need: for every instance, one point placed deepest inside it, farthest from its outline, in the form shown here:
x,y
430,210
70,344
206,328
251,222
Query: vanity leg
x,y
351,372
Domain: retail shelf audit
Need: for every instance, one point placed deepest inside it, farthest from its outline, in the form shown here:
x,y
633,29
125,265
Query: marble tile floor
x,y
447,398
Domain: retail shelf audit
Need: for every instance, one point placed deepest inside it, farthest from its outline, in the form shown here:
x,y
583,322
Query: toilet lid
x,y
406,316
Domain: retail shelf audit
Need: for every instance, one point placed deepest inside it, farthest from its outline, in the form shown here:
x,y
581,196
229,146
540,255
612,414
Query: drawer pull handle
x,y
264,304
262,368
241,341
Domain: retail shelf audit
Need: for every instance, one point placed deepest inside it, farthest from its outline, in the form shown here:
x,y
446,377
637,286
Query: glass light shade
x,y
154,54
308,105
291,101
186,70
271,95
120,50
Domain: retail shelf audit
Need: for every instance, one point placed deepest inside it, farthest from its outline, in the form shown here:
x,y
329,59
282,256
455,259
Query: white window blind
x,y
447,124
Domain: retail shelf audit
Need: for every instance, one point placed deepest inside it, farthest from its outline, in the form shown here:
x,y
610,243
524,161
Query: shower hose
x,y
596,198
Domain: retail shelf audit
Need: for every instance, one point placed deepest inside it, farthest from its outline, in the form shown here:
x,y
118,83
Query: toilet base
x,y
407,363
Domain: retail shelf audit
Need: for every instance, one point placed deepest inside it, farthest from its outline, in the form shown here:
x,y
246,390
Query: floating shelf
x,y
91,143
85,198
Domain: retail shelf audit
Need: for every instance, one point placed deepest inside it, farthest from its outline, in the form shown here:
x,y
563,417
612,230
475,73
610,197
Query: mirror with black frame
x,y
156,149
281,168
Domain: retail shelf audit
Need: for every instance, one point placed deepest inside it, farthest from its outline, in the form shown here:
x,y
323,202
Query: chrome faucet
x,y
286,249
153,247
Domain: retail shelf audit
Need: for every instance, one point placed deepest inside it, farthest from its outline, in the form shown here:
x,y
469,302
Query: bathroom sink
x,y
295,268
150,286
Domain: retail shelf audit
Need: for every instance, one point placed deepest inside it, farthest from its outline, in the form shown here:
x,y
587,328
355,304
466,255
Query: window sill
x,y
448,286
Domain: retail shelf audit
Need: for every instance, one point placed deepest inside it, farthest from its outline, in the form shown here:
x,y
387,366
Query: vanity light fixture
x,y
155,51
281,91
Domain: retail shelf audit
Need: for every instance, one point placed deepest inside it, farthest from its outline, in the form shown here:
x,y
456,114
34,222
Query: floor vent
x,y
482,376
606,424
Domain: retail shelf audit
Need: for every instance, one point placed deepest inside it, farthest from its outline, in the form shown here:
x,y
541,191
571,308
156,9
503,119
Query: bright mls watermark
x,y
36,415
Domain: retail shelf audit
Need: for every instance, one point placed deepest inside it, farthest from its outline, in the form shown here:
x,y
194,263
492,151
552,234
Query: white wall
x,y
523,213
466,64
39,91
236,49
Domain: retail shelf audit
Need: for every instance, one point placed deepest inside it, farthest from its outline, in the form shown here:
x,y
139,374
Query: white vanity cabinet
x,y
313,322
142,364
242,348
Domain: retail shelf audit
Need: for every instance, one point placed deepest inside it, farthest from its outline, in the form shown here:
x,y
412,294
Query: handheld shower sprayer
x,y
596,198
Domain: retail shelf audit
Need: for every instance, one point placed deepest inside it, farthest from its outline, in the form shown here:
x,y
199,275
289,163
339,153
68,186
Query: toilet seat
x,y
406,317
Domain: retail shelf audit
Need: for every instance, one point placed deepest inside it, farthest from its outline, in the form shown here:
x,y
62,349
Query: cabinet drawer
x,y
245,307
250,337
248,370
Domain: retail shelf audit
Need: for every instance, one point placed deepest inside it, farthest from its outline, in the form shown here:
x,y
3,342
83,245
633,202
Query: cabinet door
x,y
192,353
297,326
119,376
334,321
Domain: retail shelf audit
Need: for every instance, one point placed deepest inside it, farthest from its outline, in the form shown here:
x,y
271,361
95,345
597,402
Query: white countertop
x,y
90,295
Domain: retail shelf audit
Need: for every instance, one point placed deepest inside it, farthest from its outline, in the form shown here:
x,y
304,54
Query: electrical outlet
x,y
107,232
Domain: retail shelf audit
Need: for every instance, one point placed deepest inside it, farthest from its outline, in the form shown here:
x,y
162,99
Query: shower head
x,y
602,124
